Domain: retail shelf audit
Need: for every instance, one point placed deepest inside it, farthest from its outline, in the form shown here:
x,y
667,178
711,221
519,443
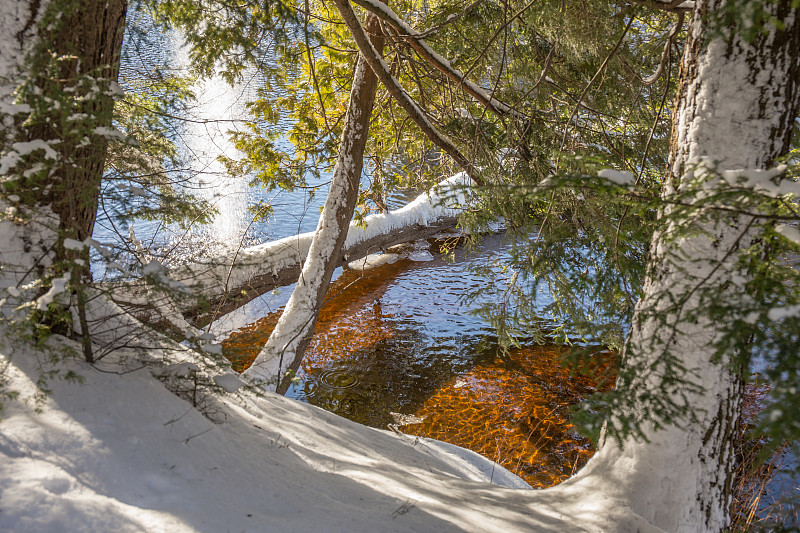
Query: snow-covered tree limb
x,y
286,345
228,282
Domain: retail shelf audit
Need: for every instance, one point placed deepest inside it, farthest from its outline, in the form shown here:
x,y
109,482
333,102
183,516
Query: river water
x,y
396,345
201,130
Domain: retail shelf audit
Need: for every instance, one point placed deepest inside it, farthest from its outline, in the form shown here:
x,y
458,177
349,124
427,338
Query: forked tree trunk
x,y
287,343
735,107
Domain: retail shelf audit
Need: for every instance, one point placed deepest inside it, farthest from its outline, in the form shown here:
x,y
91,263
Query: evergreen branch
x,y
312,69
184,119
667,50
673,6
452,18
412,108
497,34
413,38
596,75
673,32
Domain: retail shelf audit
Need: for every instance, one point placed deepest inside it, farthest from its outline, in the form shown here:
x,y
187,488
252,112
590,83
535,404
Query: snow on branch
x,y
675,6
228,282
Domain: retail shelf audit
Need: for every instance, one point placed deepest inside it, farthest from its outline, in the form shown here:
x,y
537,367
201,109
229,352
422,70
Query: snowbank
x,y
121,453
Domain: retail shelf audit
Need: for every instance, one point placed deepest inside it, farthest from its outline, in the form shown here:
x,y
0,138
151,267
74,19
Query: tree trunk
x,y
735,108
70,70
24,247
287,343
60,100
94,33
263,279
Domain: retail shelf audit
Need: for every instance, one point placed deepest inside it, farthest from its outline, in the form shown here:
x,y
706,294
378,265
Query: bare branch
x,y
414,111
667,46
675,6
414,39
450,20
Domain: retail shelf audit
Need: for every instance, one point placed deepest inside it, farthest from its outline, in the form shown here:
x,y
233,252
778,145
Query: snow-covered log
x,y
228,282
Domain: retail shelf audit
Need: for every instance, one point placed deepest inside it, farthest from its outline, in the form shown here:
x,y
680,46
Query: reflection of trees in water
x,y
515,412
373,353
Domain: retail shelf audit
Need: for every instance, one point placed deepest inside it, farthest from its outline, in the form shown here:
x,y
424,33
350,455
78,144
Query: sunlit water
x,y
391,342
397,345
201,132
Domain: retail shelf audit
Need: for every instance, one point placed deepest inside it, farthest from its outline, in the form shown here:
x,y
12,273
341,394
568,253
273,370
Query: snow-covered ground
x,y
119,452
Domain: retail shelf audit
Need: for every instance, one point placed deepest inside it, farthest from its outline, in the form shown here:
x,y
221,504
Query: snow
x,y
421,252
58,286
229,382
620,177
72,244
110,133
215,276
769,182
155,269
10,159
121,453
372,261
779,313
444,200
12,51
180,370
420,256
790,232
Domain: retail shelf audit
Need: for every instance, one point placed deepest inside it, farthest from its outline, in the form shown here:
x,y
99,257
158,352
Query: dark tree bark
x,y
91,33
64,66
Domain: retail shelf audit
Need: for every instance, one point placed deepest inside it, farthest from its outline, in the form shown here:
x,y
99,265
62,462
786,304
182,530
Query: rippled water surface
x,y
396,345
393,345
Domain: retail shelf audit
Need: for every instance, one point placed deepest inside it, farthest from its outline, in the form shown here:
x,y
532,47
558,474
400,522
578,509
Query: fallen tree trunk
x,y
222,284
260,284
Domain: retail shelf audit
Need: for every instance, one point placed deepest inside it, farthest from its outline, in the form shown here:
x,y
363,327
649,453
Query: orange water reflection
x,y
350,320
514,411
